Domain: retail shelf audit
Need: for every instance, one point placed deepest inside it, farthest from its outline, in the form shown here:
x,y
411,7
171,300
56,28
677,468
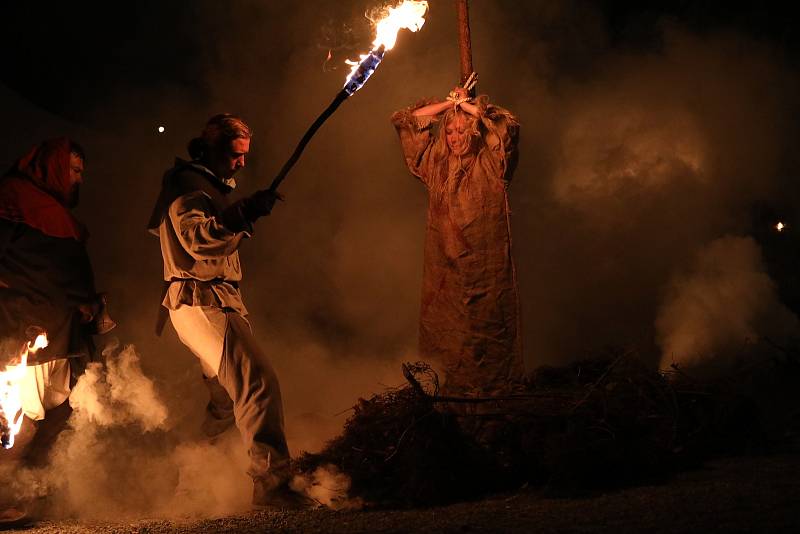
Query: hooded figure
x,y
469,317
46,286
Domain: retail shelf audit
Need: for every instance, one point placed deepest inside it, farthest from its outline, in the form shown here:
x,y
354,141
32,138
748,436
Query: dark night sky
x,y
66,56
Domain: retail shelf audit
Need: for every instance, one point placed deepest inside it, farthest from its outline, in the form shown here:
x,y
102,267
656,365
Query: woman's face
x,y
457,133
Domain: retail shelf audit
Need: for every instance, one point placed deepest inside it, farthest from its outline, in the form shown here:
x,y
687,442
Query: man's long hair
x,y
220,130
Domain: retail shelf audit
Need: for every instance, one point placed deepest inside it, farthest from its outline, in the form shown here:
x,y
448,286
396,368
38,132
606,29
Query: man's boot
x,y
271,479
14,518
219,411
273,494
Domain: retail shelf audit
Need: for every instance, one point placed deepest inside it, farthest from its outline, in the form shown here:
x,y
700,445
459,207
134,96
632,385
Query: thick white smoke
x,y
114,457
119,456
328,486
724,301
117,394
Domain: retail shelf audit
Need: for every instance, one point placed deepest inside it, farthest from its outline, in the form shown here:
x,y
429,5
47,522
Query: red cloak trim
x,y
36,190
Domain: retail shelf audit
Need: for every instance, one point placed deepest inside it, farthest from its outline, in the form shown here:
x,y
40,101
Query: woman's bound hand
x,y
460,93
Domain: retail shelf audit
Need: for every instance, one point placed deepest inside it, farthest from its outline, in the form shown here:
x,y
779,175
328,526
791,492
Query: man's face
x,y
457,134
225,163
75,178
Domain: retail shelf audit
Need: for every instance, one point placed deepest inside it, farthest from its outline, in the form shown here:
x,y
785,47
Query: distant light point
x,y
161,129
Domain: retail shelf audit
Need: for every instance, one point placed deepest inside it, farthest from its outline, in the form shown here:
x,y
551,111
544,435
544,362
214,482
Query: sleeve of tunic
x,y
416,141
200,233
500,130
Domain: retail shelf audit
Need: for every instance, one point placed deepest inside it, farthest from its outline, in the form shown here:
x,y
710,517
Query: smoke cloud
x,y
114,446
122,455
646,160
726,300
118,457
117,395
328,486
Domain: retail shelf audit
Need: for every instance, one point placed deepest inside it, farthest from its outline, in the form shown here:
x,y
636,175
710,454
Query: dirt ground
x,y
743,494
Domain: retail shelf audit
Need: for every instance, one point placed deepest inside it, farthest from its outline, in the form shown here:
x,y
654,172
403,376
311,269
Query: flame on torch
x,y
11,394
410,14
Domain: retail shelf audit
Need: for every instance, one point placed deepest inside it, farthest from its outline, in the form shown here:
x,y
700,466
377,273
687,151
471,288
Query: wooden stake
x,y
464,41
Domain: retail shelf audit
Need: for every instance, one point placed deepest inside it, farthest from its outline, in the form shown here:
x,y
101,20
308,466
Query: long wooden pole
x,y
464,41
341,96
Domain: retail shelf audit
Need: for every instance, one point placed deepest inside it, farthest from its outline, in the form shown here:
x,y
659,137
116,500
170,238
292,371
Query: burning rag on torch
x,y
409,14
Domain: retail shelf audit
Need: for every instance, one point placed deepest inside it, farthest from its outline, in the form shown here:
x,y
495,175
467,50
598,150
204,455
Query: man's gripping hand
x,y
241,215
260,204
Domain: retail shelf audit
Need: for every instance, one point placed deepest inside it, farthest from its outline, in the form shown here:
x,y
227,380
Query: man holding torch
x,y
200,232
464,151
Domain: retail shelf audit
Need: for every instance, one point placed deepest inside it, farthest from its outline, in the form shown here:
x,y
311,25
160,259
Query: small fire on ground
x,y
11,414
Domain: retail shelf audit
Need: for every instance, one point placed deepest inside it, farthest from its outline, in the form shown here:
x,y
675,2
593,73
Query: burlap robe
x,y
469,316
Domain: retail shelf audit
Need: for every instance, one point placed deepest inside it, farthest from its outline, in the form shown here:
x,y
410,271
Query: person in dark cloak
x,y
201,230
464,152
46,286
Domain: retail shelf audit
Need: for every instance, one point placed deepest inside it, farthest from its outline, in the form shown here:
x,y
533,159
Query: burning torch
x,y
11,412
410,14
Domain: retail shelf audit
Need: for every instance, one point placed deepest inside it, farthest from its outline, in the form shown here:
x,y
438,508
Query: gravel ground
x,y
752,494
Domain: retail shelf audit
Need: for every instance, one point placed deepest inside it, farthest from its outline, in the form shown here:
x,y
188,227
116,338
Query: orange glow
x,y
10,393
410,14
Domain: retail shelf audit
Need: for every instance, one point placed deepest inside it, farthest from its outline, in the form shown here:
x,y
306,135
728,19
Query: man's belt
x,y
163,313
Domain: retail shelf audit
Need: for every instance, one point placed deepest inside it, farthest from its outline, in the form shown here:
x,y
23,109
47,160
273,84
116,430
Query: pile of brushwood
x,y
598,423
